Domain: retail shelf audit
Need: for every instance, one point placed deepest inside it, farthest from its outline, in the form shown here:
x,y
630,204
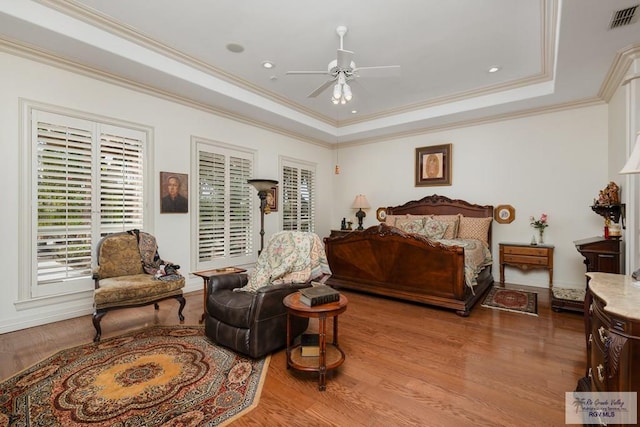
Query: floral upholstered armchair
x,y
245,312
130,273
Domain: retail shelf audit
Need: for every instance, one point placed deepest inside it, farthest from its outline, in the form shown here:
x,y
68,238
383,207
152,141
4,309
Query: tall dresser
x,y
613,334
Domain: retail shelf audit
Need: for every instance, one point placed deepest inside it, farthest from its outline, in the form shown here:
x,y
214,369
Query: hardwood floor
x,y
407,364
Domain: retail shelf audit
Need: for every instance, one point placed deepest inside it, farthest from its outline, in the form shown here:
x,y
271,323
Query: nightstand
x,y
526,256
336,233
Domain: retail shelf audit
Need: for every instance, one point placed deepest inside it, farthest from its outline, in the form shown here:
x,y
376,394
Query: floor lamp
x,y
263,186
633,166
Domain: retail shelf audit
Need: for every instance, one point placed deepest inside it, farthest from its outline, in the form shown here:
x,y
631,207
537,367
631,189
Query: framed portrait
x,y
272,199
381,214
433,165
174,192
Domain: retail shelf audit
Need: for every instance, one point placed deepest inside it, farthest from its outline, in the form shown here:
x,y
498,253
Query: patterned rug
x,y
160,376
512,300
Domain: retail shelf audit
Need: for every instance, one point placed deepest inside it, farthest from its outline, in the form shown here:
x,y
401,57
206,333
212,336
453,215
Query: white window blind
x,y
225,220
298,198
88,181
64,202
121,183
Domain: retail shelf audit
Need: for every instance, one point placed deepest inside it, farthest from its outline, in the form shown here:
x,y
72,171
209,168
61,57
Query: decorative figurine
x,y
343,224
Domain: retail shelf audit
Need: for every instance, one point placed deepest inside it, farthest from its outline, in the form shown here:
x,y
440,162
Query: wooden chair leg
x,y
97,317
182,301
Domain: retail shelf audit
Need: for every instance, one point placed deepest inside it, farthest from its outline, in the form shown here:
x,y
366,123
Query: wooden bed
x,y
387,261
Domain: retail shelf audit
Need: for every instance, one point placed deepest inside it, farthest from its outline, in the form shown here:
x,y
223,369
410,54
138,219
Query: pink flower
x,y
541,223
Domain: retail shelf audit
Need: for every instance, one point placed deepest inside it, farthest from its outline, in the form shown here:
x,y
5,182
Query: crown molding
x,y
617,74
35,54
94,18
590,102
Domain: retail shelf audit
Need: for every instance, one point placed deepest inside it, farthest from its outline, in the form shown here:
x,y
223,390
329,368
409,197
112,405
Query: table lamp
x,y
360,203
263,186
633,166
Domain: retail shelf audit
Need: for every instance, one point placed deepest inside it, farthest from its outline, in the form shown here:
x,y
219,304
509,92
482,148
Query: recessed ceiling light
x,y
268,64
354,111
235,48
494,69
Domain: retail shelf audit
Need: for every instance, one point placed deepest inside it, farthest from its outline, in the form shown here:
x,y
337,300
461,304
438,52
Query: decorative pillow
x,y
390,220
474,228
452,221
410,225
434,229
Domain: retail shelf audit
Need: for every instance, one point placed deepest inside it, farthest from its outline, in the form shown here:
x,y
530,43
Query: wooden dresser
x,y
612,333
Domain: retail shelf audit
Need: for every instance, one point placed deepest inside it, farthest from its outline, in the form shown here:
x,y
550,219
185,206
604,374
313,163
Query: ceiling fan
x,y
342,70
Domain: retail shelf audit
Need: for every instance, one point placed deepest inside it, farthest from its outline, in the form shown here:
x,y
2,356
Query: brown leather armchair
x,y
253,321
250,323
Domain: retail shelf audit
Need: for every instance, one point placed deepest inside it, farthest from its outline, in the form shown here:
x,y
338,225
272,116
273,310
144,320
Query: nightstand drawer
x,y
523,259
517,250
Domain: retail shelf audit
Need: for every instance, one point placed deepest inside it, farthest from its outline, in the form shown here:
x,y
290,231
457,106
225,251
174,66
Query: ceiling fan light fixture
x,y
337,91
346,90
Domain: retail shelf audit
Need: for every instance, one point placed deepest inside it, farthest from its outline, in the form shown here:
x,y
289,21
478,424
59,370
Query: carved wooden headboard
x,y
438,205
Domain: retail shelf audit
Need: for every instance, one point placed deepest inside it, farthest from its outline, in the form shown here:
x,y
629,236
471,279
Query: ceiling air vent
x,y
623,17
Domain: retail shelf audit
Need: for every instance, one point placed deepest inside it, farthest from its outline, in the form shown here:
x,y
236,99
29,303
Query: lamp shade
x,y
262,184
361,202
633,164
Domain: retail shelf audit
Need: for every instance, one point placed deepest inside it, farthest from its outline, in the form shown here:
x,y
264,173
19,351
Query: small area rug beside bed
x,y
160,376
513,300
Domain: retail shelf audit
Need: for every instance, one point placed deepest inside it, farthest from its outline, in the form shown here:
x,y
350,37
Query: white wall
x,y
554,163
173,126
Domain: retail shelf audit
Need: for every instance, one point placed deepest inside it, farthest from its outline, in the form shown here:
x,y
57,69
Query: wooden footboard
x,y
386,261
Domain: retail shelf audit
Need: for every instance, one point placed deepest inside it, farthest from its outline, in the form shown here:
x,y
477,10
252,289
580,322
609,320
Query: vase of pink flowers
x,y
539,224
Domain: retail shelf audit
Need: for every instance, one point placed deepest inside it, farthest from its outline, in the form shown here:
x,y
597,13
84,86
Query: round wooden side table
x,y
331,355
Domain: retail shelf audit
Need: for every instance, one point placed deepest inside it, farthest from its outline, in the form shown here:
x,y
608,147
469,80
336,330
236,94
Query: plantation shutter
x,y
121,183
225,221
298,198
240,225
87,180
64,201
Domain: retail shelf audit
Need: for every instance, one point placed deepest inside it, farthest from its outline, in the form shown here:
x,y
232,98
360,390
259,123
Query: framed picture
x,y
174,192
272,199
504,214
433,165
381,214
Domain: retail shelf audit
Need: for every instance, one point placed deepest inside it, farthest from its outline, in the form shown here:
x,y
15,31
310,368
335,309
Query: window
x,y
86,180
224,223
298,197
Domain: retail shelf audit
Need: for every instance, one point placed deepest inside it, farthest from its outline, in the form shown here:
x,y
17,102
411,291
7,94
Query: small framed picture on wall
x,y
272,199
174,192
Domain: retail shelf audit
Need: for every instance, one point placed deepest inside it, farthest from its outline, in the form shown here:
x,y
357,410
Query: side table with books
x,y
330,355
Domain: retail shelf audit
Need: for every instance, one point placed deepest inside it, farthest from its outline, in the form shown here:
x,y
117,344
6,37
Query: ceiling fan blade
x,y
307,72
321,89
381,71
344,59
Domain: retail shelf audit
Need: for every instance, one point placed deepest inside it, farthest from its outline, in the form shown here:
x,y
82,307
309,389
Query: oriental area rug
x,y
512,300
160,376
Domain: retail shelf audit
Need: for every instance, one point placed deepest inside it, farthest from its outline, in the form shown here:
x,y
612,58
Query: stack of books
x,y
310,345
318,294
